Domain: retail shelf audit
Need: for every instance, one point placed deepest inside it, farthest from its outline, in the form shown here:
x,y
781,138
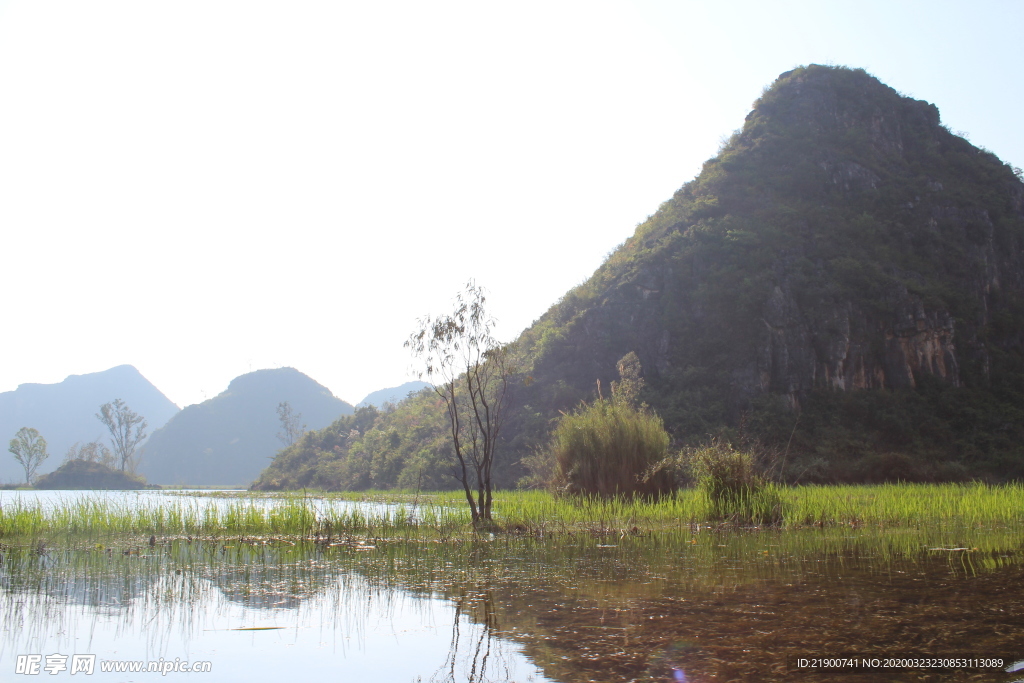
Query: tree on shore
x,y
127,430
29,448
471,373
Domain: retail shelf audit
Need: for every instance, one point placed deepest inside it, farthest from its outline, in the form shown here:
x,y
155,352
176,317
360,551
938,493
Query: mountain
x,y
841,289
394,395
846,270
228,439
65,413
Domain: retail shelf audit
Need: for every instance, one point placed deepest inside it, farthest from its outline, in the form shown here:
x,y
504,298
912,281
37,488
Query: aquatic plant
x,y
296,517
615,446
329,518
734,488
610,449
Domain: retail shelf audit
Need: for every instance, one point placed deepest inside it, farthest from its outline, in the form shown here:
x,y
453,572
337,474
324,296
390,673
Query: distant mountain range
x,y
230,438
395,395
65,413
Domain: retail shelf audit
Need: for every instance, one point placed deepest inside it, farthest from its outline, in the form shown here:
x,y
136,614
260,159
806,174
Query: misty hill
x,y
841,288
230,438
65,413
393,395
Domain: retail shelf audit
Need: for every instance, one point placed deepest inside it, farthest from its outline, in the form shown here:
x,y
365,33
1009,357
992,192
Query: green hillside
x,y
842,288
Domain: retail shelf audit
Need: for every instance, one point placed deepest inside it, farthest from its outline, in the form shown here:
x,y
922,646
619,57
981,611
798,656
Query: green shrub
x,y
611,448
735,490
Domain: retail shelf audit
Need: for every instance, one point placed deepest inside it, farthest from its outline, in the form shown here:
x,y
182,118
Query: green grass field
x,y
307,515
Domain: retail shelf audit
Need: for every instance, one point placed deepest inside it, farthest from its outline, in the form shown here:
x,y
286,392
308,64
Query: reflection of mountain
x,y
107,595
230,438
181,597
76,577
66,412
268,586
731,606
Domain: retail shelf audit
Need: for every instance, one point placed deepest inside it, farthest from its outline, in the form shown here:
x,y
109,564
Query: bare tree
x,y
292,428
94,451
472,373
127,430
29,448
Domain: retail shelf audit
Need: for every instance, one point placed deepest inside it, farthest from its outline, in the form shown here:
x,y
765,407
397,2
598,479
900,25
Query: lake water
x,y
185,499
698,606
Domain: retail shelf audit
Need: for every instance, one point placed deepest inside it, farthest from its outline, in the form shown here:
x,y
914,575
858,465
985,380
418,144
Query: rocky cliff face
x,y
849,349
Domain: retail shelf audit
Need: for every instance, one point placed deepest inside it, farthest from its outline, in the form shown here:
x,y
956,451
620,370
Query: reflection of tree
x,y
175,592
453,648
478,611
489,624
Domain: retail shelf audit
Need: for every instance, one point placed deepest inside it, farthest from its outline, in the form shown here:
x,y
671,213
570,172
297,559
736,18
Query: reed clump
x,y
734,488
613,447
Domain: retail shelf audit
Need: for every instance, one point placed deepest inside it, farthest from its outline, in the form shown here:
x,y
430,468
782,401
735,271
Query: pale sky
x,y
201,189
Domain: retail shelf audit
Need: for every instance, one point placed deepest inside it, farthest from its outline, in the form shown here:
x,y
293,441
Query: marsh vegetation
x,y
66,516
572,589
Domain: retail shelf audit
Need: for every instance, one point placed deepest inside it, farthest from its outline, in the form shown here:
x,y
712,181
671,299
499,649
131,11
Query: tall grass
x,y
296,517
611,448
950,506
734,489
444,515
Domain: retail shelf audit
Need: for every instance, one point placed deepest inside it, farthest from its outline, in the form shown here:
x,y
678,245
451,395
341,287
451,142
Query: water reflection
x,y
258,612
689,607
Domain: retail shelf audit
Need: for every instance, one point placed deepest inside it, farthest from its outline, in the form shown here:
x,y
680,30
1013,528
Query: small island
x,y
83,474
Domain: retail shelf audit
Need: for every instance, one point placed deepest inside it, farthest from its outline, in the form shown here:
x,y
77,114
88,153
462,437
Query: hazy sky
x,y
205,188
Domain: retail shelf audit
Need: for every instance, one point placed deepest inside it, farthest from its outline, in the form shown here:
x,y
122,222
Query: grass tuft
x,y
611,448
734,489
